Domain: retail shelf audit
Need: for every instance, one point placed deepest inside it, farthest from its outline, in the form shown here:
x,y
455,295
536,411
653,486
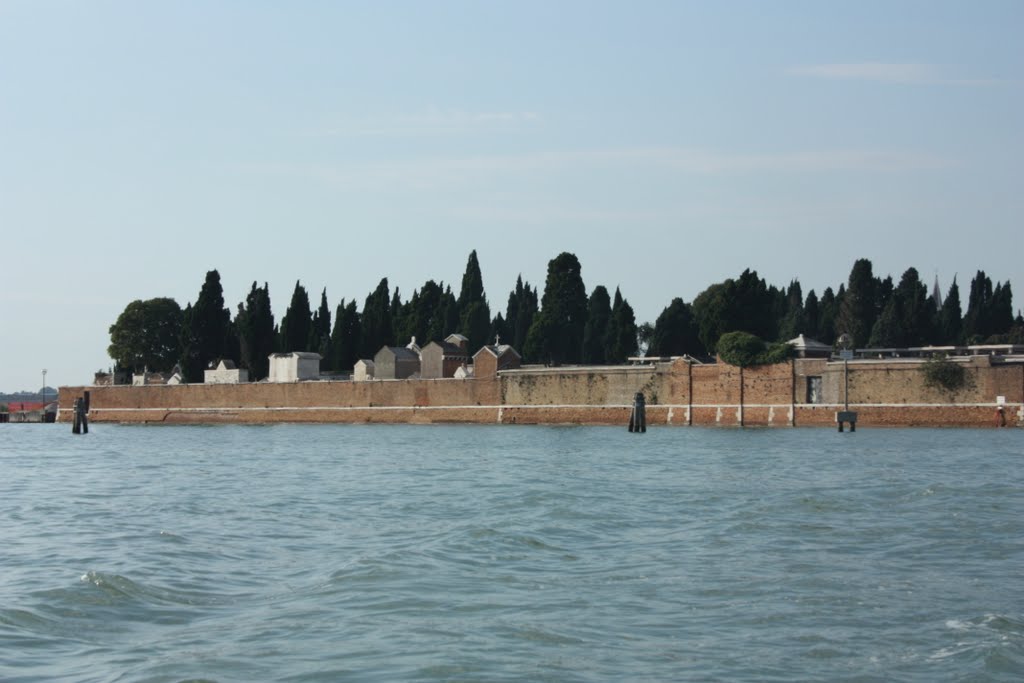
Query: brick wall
x,y
883,393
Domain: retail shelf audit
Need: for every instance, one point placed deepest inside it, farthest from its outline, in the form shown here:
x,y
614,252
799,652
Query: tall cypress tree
x,y
376,321
556,335
978,320
827,308
951,318
320,330
519,315
257,338
1002,308
345,338
675,332
474,312
207,329
859,307
794,319
595,332
621,340
297,323
812,315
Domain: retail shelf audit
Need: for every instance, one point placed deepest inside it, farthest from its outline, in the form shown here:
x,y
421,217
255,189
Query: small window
x,y
814,389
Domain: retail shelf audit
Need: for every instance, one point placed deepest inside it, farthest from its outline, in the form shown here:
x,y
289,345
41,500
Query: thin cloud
x,y
888,72
431,122
435,172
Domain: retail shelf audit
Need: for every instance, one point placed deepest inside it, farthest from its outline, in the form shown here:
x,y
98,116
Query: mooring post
x,y
638,415
79,421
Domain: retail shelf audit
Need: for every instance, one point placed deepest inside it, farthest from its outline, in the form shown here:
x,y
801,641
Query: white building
x,y
363,370
294,367
225,373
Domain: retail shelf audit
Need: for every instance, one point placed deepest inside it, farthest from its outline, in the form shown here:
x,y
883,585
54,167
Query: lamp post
x,y
844,342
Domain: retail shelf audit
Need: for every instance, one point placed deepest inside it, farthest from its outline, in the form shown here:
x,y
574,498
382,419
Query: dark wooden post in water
x,y
638,416
80,422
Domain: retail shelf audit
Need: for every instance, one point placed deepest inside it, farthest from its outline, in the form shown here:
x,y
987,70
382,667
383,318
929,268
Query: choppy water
x,y
348,553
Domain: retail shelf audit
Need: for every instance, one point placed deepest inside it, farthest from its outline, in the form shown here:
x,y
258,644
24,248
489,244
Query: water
x,y
462,553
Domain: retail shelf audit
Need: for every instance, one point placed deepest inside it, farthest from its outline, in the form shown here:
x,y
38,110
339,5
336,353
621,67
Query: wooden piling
x,y
79,419
638,415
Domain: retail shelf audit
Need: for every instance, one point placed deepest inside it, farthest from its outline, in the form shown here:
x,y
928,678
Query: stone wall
x,y
678,393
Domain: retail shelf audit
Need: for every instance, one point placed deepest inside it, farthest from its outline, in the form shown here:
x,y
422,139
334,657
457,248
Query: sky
x,y
669,145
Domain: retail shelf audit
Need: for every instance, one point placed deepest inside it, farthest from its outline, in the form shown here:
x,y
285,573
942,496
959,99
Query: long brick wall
x,y
891,393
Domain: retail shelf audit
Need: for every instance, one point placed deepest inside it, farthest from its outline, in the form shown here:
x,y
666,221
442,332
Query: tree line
x,y
563,326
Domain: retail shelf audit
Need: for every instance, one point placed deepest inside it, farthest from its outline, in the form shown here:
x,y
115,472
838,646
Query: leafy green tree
x,y
146,335
621,339
257,336
400,313
743,349
474,312
206,329
595,332
675,332
376,321
345,338
297,323
744,304
556,335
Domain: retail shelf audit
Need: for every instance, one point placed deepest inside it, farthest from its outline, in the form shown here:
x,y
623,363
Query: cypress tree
x,y
345,338
556,335
812,315
521,310
257,337
675,332
595,332
474,312
1002,309
827,317
978,320
621,341
297,323
794,319
859,307
950,325
376,321
207,329
320,329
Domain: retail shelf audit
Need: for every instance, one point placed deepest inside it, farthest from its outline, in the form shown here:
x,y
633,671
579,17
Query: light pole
x,y
844,341
846,415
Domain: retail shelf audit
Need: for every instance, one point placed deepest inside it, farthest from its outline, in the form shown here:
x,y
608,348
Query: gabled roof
x,y
401,352
448,349
802,343
455,338
297,354
497,350
226,364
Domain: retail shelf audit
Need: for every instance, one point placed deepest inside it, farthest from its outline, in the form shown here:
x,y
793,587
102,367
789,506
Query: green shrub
x,y
943,374
744,349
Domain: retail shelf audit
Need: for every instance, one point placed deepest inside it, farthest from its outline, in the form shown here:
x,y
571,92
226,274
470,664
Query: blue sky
x,y
668,144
